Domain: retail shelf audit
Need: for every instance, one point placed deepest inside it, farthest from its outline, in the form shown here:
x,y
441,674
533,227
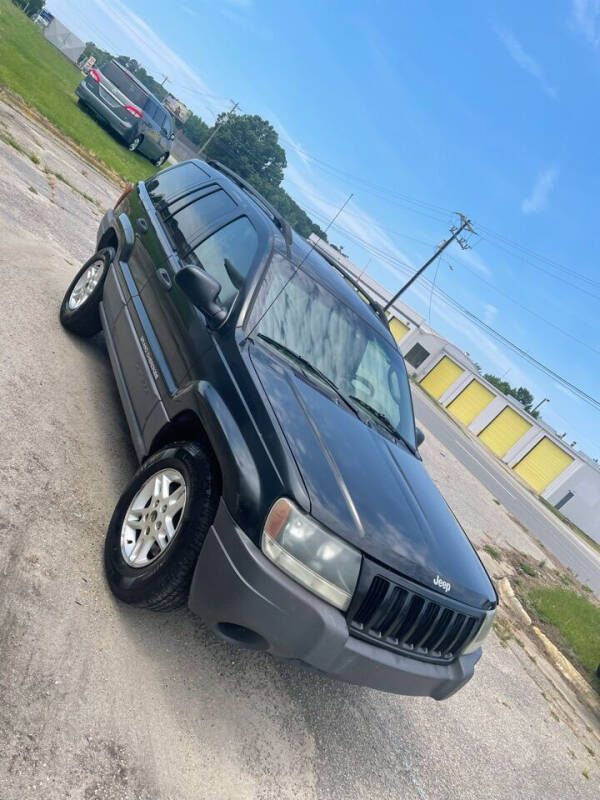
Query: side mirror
x,y
420,436
202,289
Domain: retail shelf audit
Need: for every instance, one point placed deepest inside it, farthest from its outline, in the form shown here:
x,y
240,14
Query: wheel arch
x,y
211,423
185,427
108,239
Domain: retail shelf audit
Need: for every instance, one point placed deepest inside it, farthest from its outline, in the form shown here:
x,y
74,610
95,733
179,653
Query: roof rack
x,y
375,307
280,221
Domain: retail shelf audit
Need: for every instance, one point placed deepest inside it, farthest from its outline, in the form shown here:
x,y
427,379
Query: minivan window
x,y
119,78
228,255
167,127
175,181
186,225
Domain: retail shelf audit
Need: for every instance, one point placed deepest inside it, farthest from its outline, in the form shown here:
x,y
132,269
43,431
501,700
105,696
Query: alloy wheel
x,y
86,284
153,518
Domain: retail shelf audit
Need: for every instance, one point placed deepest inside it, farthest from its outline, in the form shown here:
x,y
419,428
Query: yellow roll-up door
x,y
441,377
504,430
470,402
398,329
542,464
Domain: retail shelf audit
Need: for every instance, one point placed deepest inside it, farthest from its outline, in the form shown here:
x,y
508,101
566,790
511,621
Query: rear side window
x,y
172,182
186,225
125,84
228,255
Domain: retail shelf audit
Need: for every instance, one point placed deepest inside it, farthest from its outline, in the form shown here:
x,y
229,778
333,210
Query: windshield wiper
x,y
384,420
309,368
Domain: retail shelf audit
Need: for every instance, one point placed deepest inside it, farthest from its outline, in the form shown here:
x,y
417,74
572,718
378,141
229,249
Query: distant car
x,y
120,99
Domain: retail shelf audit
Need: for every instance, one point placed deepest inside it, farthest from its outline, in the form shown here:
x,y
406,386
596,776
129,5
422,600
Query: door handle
x,y
164,278
142,225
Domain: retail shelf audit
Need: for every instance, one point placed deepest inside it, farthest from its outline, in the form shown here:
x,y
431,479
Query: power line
x,y
456,230
404,235
386,193
497,335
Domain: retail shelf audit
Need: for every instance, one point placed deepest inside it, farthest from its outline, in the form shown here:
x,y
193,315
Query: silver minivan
x,y
120,99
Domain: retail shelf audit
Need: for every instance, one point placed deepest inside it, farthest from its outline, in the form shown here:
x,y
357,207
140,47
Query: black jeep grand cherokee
x,y
281,493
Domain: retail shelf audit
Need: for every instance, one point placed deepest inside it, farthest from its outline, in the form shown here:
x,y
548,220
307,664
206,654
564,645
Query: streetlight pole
x,y
545,400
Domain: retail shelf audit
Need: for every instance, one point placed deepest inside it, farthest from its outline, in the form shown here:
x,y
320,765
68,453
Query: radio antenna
x,y
292,276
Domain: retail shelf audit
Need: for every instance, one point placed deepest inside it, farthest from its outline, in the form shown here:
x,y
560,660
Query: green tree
x,y
196,130
92,49
296,216
30,7
521,394
249,145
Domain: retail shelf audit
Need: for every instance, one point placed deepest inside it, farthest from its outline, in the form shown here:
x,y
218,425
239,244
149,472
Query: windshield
x,y
310,321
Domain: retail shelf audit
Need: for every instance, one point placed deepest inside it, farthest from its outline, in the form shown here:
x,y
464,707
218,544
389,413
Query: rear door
x,y
165,133
120,92
179,328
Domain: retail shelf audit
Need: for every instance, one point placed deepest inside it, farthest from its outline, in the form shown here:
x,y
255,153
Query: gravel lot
x,y
98,700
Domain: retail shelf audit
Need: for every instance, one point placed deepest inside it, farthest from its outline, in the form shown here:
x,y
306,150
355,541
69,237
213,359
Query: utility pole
x,y
545,400
229,113
455,230
165,79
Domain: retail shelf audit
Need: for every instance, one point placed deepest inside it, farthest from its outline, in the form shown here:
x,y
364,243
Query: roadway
x,y
562,543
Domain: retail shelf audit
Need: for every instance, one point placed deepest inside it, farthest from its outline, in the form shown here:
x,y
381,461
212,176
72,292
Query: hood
x,y
371,491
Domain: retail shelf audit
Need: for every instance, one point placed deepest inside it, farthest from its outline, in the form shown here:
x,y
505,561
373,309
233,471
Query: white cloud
x,y
524,60
474,260
490,313
538,197
324,199
586,16
148,47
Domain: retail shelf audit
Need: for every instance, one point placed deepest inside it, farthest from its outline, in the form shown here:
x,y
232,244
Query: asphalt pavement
x,y
101,700
564,544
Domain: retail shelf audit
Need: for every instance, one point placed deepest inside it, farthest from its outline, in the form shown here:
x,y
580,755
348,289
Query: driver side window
x,y
228,255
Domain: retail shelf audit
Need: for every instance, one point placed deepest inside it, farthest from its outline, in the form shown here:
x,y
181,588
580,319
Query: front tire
x,y
135,143
160,160
80,308
159,525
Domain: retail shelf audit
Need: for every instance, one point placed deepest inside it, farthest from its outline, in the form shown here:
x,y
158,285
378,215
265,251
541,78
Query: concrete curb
x,y
510,600
510,603
567,669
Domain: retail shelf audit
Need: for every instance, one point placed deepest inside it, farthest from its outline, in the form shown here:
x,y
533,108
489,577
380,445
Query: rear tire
x,y
80,308
141,569
161,160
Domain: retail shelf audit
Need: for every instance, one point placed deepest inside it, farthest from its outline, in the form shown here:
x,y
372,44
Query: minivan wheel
x,y
159,525
80,308
135,143
161,160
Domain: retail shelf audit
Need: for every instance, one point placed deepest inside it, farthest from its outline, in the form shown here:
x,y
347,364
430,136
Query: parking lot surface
x,y
99,700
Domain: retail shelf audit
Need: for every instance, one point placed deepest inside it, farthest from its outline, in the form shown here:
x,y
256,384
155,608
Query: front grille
x,y
405,618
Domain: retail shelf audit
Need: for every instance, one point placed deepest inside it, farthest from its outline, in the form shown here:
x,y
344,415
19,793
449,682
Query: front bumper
x,y
102,110
245,598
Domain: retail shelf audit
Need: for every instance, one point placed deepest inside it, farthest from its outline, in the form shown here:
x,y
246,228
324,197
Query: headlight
x,y
483,631
311,555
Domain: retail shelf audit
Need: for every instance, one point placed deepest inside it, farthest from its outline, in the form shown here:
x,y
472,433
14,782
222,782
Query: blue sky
x,y
419,109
